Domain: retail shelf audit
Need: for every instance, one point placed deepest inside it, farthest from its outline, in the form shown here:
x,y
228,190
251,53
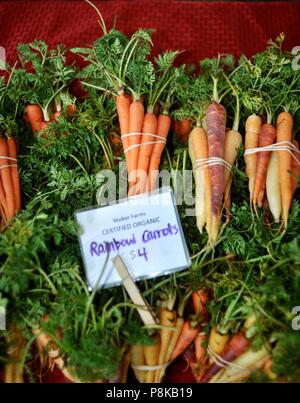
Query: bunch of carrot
x,y
10,193
143,137
217,148
272,174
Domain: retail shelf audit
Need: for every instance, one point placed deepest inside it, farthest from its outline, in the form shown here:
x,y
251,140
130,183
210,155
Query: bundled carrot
x,y
163,128
216,342
167,319
267,136
145,155
6,179
273,186
295,168
252,128
233,141
284,127
12,153
188,333
216,124
35,117
198,150
151,353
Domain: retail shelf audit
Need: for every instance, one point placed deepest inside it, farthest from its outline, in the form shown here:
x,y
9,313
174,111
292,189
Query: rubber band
x,y
202,163
150,367
2,157
145,143
142,134
161,140
9,166
280,146
224,363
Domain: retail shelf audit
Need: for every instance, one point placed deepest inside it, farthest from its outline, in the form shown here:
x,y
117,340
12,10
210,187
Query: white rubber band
x,y
142,134
280,146
202,163
9,166
223,363
2,157
145,143
150,367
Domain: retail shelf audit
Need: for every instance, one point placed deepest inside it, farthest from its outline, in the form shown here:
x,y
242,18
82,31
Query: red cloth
x,y
201,28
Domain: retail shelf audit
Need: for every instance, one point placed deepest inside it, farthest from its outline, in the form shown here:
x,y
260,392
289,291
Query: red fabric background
x,y
201,28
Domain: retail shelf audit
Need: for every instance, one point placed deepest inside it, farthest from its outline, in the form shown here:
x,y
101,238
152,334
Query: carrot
x,y
227,199
56,115
168,320
3,203
137,358
200,298
273,186
201,355
151,357
12,153
267,135
35,117
123,105
216,342
163,127
136,118
125,365
233,141
284,128
71,110
6,179
216,121
236,346
187,336
182,129
252,127
198,148
149,127
295,169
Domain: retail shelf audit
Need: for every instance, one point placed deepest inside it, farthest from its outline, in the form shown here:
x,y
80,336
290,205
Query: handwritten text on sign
x,y
145,231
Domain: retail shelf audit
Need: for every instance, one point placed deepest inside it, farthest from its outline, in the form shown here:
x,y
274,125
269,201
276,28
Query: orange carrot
x,y
149,127
187,336
182,129
252,127
216,125
200,299
295,169
136,118
6,179
284,128
12,153
35,117
267,135
3,203
163,127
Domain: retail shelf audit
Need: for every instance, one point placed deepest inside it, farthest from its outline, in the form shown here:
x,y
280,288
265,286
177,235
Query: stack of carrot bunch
x,y
10,192
144,138
272,163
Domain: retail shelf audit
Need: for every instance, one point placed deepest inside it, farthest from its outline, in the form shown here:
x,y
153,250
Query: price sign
x,y
144,230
